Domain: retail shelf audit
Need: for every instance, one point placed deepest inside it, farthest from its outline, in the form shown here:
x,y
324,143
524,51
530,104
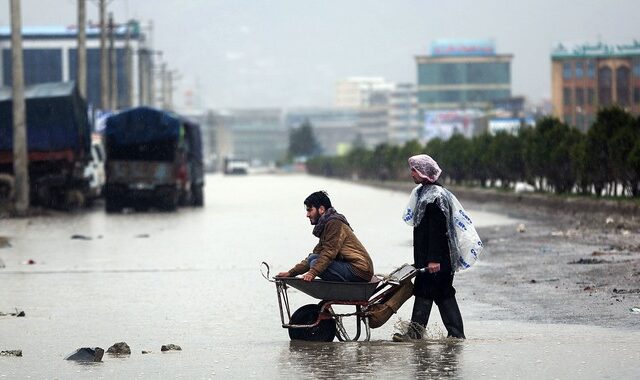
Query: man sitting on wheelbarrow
x,y
339,255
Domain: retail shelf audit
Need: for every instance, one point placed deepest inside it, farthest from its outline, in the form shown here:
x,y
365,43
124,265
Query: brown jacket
x,y
338,242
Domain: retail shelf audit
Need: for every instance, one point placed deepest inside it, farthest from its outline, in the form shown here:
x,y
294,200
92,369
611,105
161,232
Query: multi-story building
x,y
356,92
334,128
50,55
462,74
589,76
373,120
257,135
403,114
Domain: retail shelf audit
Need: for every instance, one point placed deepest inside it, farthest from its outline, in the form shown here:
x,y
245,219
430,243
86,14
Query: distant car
x,y
94,171
236,166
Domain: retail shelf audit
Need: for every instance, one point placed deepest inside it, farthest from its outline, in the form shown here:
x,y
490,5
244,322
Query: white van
x,y
94,171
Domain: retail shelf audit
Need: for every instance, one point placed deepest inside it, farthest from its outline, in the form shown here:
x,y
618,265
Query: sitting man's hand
x,y
283,274
308,276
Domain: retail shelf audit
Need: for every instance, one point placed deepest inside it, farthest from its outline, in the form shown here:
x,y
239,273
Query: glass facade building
x,y
463,82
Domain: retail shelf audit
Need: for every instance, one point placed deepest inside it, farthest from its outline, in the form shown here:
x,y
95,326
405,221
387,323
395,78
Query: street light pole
x,y
113,67
104,59
20,157
81,69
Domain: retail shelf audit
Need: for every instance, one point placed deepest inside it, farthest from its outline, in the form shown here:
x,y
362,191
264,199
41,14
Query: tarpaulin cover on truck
x,y
141,125
143,133
56,118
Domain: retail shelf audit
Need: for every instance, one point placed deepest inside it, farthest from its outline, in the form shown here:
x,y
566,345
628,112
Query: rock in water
x,y
120,348
86,354
171,347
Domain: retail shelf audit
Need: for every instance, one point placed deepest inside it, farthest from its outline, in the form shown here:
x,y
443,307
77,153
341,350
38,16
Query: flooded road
x,y
192,278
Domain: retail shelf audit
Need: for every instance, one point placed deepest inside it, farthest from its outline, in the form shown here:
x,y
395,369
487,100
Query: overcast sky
x,y
258,53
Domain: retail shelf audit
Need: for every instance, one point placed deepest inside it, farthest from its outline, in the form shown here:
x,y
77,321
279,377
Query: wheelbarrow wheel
x,y
325,331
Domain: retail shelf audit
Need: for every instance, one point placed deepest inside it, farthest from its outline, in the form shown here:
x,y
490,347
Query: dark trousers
x,y
438,288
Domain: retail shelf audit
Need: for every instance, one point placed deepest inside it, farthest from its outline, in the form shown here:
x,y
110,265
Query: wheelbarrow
x,y
321,322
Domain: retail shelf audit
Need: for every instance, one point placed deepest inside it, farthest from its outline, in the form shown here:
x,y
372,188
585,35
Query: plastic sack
x,y
469,245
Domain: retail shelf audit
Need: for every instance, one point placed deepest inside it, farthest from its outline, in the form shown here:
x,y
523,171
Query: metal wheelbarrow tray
x,y
336,291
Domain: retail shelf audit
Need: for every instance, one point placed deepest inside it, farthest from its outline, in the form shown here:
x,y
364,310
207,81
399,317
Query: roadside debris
x,y
120,348
523,187
590,261
626,291
609,220
18,313
521,228
81,237
86,354
170,347
4,242
11,353
145,352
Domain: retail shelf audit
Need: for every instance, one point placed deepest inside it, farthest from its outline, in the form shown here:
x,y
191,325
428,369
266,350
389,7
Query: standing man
x,y
339,255
427,213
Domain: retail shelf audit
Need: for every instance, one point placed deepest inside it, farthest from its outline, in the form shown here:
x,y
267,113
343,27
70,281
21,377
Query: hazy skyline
x,y
283,53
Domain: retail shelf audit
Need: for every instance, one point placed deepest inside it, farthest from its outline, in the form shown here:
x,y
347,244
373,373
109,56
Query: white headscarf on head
x,y
426,167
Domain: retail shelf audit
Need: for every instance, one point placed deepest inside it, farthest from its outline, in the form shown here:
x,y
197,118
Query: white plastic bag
x,y
469,245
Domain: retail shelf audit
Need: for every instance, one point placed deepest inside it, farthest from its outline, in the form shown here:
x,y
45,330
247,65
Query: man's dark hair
x,y
317,199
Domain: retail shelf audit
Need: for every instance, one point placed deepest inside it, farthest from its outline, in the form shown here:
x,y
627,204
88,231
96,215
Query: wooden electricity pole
x,y
20,157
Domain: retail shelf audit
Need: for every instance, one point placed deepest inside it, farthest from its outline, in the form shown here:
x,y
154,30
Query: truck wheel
x,y
74,199
169,201
112,205
197,196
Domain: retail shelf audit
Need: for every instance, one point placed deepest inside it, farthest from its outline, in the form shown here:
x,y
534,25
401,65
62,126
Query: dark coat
x,y
430,244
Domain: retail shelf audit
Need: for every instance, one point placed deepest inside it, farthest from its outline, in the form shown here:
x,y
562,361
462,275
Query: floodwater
x,y
192,278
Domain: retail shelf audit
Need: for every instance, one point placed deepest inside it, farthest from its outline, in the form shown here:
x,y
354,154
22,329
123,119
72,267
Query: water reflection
x,y
420,360
435,360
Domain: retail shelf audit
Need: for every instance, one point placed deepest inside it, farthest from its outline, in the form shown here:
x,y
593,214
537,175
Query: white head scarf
x,y
426,167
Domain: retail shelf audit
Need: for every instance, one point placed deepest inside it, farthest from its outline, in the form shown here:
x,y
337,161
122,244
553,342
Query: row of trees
x,y
552,157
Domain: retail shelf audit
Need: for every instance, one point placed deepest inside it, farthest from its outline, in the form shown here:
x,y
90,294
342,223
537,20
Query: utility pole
x,y
128,62
104,63
81,69
20,157
142,77
113,66
163,85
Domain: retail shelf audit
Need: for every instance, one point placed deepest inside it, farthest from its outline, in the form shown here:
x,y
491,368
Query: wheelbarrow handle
x,y
264,266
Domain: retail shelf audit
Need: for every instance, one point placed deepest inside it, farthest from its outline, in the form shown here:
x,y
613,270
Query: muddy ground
x,y
571,261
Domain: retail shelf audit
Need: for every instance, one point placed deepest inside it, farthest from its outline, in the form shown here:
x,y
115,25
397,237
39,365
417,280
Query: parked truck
x,y
58,143
154,159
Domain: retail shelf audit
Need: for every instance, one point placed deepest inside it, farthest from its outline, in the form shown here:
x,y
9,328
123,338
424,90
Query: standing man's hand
x,y
433,267
283,274
308,276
